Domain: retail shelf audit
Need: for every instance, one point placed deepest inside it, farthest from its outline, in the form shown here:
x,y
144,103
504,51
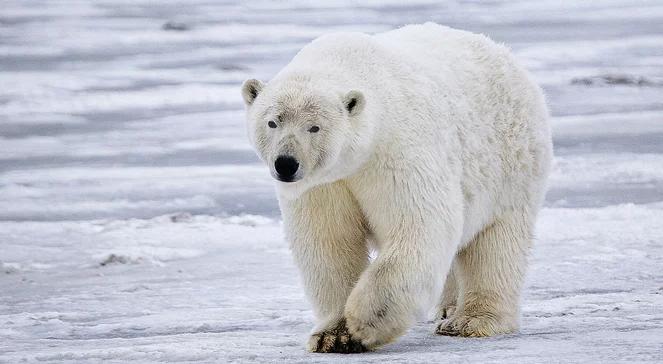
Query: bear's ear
x,y
354,102
250,90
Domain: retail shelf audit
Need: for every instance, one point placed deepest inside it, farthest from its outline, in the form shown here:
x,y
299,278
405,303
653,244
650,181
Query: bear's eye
x,y
271,124
314,129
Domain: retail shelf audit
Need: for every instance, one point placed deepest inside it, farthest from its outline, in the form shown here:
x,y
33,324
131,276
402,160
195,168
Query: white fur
x,y
445,161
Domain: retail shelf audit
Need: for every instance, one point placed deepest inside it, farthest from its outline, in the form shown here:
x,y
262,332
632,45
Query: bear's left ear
x,y
354,102
250,90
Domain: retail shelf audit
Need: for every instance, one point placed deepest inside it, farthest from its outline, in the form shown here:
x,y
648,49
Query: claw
x,y
446,329
337,340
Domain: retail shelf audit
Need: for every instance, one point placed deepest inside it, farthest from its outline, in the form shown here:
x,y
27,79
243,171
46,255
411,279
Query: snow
x,y
136,224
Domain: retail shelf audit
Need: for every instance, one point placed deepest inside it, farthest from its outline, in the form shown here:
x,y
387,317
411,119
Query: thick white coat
x,y
441,168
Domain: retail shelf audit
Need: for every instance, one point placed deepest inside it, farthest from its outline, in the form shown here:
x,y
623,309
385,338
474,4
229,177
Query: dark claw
x,y
447,331
343,343
346,345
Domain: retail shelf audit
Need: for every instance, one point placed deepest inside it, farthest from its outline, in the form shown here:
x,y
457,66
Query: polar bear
x,y
425,144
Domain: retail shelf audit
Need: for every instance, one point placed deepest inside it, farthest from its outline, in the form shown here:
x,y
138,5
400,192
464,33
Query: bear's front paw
x,y
373,327
335,340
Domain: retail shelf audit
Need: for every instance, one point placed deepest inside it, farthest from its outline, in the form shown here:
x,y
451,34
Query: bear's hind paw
x,y
446,328
475,326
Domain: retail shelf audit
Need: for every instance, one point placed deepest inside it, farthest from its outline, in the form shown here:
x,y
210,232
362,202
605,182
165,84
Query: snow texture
x,y
137,225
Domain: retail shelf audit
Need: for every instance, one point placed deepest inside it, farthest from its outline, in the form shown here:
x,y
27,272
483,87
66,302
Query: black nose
x,y
286,167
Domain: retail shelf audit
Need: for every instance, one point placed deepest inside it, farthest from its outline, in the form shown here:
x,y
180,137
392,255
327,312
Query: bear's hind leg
x,y
490,272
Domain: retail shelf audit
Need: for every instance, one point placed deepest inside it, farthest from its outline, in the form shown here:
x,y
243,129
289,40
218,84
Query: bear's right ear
x,y
354,102
250,90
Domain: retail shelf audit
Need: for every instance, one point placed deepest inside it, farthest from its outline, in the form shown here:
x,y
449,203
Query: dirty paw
x,y
475,326
447,328
336,340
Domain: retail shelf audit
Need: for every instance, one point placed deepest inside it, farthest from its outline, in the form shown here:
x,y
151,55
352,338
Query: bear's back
x,y
430,50
339,54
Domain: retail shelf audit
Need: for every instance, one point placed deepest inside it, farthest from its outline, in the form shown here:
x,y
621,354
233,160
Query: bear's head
x,y
307,134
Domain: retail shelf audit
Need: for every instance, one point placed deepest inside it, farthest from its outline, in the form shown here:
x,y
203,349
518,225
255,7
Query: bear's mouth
x,y
287,179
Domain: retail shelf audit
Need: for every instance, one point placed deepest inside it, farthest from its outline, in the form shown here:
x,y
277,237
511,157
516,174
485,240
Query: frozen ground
x,y
136,224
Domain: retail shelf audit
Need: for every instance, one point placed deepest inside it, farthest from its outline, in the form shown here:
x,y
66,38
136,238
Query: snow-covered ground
x,y
136,223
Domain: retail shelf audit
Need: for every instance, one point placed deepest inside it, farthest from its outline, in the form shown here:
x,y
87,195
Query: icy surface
x,y
136,223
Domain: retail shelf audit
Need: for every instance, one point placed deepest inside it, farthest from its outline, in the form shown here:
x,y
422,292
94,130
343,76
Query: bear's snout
x,y
286,167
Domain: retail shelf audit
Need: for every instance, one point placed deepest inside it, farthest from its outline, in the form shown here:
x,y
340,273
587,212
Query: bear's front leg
x,y
406,276
327,235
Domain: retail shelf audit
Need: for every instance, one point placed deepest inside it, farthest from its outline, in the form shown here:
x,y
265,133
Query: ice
x,y
136,224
